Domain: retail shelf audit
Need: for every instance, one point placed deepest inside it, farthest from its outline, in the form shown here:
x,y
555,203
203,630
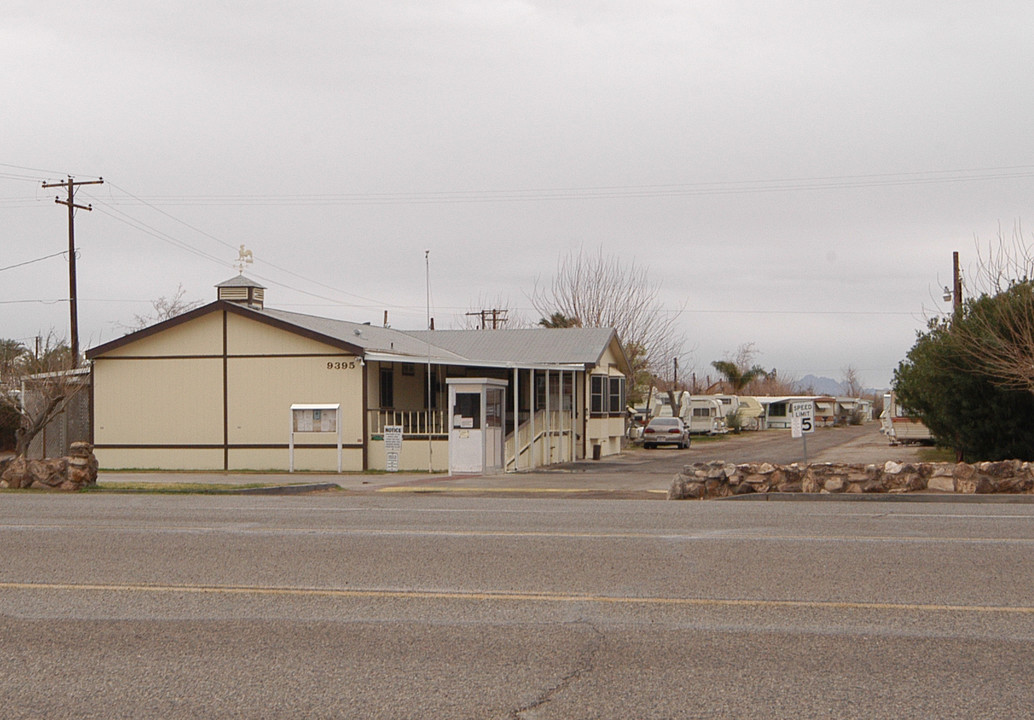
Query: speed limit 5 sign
x,y
802,418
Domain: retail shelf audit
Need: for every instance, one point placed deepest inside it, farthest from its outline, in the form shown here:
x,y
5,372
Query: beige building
x,y
213,389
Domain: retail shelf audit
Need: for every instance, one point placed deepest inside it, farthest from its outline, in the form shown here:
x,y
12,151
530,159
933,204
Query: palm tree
x,y
737,377
559,320
12,353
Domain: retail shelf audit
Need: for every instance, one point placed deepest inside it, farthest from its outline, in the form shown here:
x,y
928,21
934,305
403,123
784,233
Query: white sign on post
x,y
802,422
393,446
805,413
318,418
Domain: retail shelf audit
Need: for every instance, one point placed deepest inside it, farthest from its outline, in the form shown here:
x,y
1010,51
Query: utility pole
x,y
73,307
498,317
957,286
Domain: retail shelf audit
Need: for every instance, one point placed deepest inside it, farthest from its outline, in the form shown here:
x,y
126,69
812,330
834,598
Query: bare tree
x,y
601,290
775,384
671,382
850,382
997,336
40,389
164,308
1002,263
996,329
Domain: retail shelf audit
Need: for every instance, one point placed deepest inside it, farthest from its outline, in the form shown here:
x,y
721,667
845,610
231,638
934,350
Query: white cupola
x,y
242,290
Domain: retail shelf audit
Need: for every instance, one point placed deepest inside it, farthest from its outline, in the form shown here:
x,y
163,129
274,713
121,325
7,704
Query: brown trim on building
x,y
254,314
226,307
216,356
226,395
366,416
303,446
170,446
262,356
153,330
585,415
235,446
213,356
93,419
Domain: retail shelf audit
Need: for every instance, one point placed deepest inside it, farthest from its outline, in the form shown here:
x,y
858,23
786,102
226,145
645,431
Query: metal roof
x,y
371,338
535,346
240,281
525,348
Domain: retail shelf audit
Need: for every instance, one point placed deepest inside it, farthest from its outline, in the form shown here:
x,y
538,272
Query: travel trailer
x,y
899,426
705,414
750,413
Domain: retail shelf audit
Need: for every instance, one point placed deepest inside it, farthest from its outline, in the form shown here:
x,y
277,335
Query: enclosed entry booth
x,y
477,425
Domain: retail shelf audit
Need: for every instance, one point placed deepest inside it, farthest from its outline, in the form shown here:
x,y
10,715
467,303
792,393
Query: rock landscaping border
x,y
718,479
74,472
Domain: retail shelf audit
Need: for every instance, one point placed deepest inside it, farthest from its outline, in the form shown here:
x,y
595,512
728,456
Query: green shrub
x,y
734,422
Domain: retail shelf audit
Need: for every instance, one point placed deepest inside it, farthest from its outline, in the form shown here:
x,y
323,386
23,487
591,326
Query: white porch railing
x,y
553,441
413,422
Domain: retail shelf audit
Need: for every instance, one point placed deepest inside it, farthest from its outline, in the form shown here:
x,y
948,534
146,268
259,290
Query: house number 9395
x,y
341,365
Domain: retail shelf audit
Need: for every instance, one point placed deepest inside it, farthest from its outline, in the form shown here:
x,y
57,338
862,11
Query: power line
x,y
44,171
263,258
165,237
154,232
30,262
732,187
34,301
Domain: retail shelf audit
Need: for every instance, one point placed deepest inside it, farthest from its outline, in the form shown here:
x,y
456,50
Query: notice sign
x,y
318,420
393,446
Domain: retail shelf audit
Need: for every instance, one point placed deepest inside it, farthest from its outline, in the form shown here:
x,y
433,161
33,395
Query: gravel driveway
x,y
862,444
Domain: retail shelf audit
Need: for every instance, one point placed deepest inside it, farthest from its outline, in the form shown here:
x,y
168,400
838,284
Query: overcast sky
x,y
795,174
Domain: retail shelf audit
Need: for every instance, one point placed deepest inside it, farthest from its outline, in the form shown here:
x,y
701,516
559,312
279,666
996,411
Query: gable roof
x,y
531,347
534,346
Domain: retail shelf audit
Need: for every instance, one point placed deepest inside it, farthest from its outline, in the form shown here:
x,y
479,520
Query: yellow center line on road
x,y
510,596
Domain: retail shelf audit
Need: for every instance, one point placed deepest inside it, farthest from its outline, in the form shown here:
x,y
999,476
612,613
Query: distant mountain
x,y
829,386
820,385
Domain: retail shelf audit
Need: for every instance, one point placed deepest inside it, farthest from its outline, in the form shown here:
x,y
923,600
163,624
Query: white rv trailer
x,y
899,426
705,414
751,413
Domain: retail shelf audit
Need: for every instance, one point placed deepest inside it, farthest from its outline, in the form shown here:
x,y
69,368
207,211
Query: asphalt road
x,y
411,606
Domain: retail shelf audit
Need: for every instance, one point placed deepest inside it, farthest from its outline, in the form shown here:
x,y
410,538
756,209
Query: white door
x,y
466,444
